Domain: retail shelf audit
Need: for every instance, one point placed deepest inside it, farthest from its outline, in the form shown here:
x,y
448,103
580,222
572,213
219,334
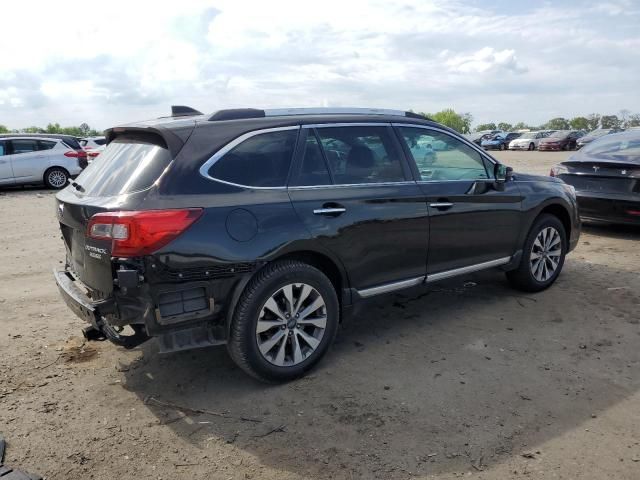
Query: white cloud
x,y
486,60
135,58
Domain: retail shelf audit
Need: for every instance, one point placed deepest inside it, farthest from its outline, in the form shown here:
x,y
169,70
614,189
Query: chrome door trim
x,y
322,211
390,287
441,204
434,277
204,169
412,282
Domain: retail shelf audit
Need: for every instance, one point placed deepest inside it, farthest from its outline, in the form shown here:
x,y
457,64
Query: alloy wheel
x,y
545,254
291,324
57,179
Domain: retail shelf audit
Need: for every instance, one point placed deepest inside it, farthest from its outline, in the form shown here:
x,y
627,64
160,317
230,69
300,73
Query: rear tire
x,y
542,255
56,178
285,321
532,146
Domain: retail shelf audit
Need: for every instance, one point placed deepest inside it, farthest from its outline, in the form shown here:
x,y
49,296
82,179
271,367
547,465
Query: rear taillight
x,y
139,233
75,154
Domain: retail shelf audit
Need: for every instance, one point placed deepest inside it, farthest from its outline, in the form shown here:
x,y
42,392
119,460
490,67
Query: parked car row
x,y
49,159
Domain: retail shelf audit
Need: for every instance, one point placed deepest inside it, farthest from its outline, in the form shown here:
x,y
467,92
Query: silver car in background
x,y
37,159
529,140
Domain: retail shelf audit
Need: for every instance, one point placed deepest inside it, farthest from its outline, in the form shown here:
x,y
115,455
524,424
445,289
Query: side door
x,y
353,189
27,161
472,221
6,173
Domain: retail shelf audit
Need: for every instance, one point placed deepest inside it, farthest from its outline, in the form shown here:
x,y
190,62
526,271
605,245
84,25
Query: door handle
x,y
441,205
332,211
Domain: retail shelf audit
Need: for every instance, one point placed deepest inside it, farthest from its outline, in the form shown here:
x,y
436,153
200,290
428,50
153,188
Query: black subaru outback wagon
x,y
260,229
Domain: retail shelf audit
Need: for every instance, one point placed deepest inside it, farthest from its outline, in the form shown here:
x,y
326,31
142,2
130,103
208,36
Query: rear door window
x,y
3,150
23,146
46,144
127,165
262,160
361,154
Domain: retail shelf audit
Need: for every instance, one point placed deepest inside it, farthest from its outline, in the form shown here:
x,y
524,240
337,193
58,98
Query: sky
x,y
110,62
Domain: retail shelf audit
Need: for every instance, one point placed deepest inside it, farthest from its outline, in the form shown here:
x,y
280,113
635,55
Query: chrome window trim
x,y
482,153
347,185
434,277
204,169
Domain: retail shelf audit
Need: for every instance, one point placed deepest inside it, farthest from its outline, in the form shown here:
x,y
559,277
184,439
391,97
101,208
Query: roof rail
x,y
183,111
242,113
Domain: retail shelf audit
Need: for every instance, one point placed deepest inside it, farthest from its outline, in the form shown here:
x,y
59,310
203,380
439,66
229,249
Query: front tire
x,y
285,321
56,178
542,255
532,146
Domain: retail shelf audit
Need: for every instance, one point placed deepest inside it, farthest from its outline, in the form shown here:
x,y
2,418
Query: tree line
x,y
461,122
83,130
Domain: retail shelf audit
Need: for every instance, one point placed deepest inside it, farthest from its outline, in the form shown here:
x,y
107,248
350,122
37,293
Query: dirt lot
x,y
470,379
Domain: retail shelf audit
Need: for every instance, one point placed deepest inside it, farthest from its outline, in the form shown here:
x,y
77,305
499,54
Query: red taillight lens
x,y
75,154
138,233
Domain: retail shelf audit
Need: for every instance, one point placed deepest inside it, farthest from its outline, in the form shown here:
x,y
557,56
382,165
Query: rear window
x,y
262,160
46,144
100,141
616,145
126,165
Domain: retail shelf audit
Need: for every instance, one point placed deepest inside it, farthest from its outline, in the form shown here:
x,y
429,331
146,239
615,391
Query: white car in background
x,y
32,159
529,140
91,143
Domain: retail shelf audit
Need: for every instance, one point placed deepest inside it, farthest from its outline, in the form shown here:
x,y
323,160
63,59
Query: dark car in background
x,y
261,229
595,134
499,141
606,176
478,137
561,140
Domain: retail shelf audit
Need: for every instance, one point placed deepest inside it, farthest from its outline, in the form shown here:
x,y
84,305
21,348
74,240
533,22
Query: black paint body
x,y
387,234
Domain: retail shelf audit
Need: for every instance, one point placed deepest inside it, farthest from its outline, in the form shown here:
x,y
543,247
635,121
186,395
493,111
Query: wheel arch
x,y
562,213
323,262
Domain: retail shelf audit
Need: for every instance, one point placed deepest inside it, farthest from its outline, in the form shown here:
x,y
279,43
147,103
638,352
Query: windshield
x,y
126,165
559,134
616,145
528,135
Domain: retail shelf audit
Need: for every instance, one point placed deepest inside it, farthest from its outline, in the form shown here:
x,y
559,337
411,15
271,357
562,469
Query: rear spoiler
x,y
152,134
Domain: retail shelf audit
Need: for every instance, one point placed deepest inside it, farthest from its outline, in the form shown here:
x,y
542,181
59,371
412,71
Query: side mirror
x,y
502,174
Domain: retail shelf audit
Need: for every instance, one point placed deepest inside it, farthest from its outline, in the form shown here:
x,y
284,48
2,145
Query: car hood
x,y
529,177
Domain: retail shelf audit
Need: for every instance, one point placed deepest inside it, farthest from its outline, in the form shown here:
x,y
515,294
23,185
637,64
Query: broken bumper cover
x,y
93,312
76,299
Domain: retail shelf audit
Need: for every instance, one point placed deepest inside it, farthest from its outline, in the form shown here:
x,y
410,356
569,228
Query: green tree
x,y
457,121
84,129
504,126
3,129
486,126
610,121
558,123
579,123
593,121
633,120
34,130
520,126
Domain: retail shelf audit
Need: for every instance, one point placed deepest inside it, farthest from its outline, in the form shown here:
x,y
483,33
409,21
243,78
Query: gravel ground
x,y
469,378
